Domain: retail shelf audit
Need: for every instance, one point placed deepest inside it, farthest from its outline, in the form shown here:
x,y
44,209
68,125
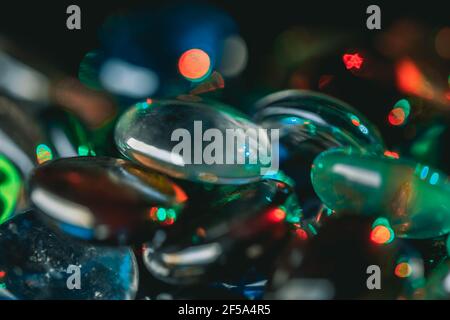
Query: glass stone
x,y
10,189
106,200
19,135
414,197
334,263
144,135
151,42
243,228
35,261
308,124
318,115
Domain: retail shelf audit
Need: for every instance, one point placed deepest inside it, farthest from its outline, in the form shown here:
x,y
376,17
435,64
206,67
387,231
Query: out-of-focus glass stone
x,y
313,114
414,197
34,263
19,136
167,135
103,199
141,50
310,123
66,136
336,264
243,228
19,139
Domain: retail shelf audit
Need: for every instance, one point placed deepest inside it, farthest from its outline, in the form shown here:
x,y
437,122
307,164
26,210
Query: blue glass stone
x,y
35,261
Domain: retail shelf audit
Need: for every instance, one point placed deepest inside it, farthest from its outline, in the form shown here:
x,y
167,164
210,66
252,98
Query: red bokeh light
x,y
194,64
352,61
396,117
391,154
380,235
276,215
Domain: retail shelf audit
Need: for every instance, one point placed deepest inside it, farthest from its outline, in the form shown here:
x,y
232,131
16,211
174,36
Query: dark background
x,y
41,25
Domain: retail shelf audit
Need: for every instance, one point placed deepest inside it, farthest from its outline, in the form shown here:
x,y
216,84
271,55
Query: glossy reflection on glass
x,y
66,136
19,135
187,138
314,114
103,199
243,227
34,263
413,197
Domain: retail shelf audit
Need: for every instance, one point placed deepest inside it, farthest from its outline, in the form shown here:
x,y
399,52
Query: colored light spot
x,y
142,105
312,229
381,234
149,101
352,61
180,195
424,172
9,188
434,178
152,213
410,80
355,120
391,154
381,221
2,274
301,234
403,270
201,232
83,150
161,214
43,153
276,215
404,105
194,64
363,129
396,117
171,214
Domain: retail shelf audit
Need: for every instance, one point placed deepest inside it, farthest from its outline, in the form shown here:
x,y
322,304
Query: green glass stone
x,y
415,198
10,187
